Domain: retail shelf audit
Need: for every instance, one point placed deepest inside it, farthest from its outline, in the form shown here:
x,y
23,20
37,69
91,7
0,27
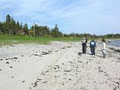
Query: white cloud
x,y
79,16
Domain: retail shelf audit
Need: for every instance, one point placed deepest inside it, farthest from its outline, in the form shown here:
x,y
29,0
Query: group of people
x,y
93,46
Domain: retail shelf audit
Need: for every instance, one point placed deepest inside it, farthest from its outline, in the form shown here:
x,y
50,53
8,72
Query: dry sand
x,y
59,66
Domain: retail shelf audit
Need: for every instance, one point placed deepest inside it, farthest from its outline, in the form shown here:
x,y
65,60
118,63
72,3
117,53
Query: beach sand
x,y
58,66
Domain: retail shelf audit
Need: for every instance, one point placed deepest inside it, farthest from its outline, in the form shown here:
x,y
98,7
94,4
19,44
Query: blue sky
x,y
79,16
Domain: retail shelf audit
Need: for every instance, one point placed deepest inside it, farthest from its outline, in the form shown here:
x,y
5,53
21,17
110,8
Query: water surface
x,y
115,43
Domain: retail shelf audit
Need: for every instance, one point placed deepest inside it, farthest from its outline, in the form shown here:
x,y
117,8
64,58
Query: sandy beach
x,y
58,66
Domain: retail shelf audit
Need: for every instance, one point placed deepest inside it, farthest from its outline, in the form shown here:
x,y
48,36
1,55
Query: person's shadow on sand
x,y
80,53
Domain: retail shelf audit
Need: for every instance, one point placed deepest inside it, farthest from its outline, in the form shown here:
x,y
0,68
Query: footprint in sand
x,y
23,81
15,58
1,59
6,59
0,69
22,55
11,66
12,76
7,62
35,84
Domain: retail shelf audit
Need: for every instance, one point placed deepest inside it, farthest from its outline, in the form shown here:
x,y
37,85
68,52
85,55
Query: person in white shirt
x,y
104,48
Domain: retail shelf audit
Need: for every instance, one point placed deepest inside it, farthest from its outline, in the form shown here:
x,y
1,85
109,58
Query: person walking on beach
x,y
92,47
84,44
104,48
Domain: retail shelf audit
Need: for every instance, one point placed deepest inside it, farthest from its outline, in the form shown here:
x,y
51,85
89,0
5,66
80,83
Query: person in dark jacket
x,y
84,44
92,47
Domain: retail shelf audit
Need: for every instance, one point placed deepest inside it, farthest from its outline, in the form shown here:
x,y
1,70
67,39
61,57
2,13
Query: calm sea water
x,y
115,43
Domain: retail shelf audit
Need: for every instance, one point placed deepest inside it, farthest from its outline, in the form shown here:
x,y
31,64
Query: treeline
x,y
12,27
45,31
110,36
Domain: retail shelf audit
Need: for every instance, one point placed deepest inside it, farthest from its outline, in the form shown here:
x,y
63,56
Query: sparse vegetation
x,y
14,32
6,39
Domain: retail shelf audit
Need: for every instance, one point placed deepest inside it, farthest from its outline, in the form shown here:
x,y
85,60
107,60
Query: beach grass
x,y
6,39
